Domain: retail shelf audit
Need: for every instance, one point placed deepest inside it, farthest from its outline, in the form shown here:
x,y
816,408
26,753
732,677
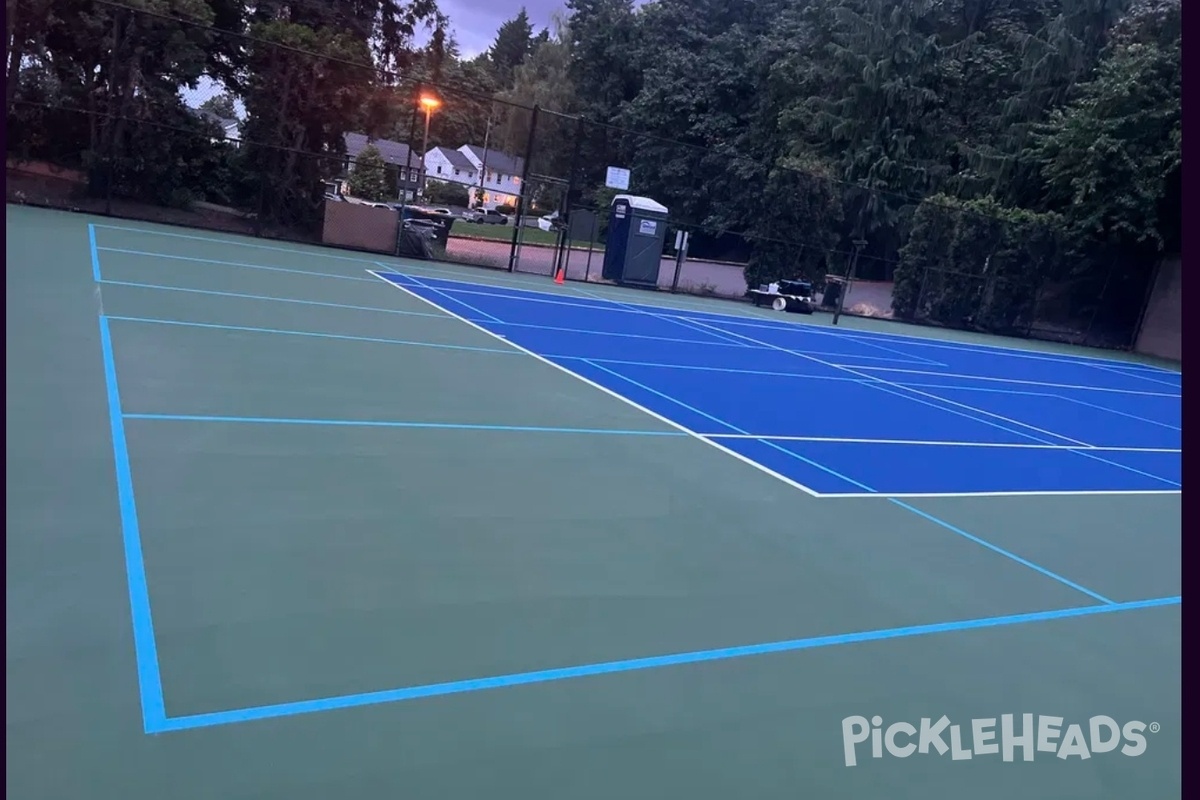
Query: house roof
x,y
392,152
216,119
456,159
497,161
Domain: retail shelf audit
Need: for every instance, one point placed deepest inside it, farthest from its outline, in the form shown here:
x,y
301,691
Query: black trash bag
x,y
411,244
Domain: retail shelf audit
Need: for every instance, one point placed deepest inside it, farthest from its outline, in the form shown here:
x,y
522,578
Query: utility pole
x,y
487,135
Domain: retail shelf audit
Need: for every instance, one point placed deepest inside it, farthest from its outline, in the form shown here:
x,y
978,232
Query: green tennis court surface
x,y
280,528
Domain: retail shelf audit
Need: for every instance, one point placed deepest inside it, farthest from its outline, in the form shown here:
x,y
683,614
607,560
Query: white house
x,y
450,166
494,175
404,167
230,128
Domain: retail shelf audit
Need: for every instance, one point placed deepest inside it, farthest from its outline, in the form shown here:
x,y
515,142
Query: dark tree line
x,y
976,149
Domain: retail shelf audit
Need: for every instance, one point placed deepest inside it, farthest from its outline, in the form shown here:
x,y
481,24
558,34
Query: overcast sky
x,y
475,22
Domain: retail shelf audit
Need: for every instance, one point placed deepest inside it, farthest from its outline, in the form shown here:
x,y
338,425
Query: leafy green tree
x,y
542,80
1111,158
513,44
369,176
220,105
447,194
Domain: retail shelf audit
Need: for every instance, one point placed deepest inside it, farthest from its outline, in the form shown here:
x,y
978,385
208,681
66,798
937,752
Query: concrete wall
x,y
361,227
1162,332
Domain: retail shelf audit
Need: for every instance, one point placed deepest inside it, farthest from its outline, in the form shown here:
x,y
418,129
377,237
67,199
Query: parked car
x,y
486,217
550,222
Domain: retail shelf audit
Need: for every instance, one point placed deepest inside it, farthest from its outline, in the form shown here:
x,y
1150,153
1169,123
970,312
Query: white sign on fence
x,y
617,178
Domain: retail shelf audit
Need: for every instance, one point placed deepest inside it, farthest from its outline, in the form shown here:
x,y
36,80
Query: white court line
x,y
1119,413
936,443
744,319
603,389
664,317
1127,374
1019,381
1081,451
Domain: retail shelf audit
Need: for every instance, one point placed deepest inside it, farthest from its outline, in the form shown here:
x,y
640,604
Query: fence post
x,y
520,218
587,271
562,256
1136,333
404,179
1087,332
859,244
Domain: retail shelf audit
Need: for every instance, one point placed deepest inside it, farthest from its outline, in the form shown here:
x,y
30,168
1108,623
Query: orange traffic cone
x,y
558,277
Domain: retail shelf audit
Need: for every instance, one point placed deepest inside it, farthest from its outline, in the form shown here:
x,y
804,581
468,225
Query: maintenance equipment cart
x,y
794,296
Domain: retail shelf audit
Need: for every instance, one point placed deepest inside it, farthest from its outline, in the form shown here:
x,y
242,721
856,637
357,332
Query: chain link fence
x,y
409,166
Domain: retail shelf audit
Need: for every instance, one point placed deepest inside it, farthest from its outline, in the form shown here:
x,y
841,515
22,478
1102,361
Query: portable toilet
x,y
637,231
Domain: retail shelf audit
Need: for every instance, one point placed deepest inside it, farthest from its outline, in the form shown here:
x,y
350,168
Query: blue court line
x,y
235,264
801,458
875,385
644,311
1035,567
918,340
274,299
994,548
422,285
95,253
330,256
1019,381
725,424
345,337
365,423
1117,371
150,687
257,713
1114,411
395,278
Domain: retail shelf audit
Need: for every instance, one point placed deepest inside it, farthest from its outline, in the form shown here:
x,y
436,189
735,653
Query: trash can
x,y
441,223
637,230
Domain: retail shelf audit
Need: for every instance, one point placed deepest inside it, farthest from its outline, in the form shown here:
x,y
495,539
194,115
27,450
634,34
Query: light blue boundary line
x,y
237,241
854,335
258,713
506,351
272,299
881,383
239,264
1118,413
942,523
317,335
95,253
422,285
725,424
366,423
150,687
150,679
1001,551
397,278
646,311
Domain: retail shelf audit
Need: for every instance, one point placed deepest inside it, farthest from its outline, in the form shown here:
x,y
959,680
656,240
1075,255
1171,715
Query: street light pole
x,y
429,103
